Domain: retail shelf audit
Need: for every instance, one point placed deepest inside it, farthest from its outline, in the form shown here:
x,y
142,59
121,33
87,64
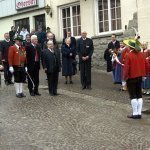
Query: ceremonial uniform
x,y
134,70
17,61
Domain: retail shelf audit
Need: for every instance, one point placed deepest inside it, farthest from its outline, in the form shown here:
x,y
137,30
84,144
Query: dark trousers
x,y
34,74
134,87
52,82
85,73
19,73
7,73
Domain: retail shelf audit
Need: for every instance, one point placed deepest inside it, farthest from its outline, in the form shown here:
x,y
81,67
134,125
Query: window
x,y
71,20
109,15
19,24
40,21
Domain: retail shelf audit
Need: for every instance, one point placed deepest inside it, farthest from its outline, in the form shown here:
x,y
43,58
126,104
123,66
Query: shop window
x,y
40,21
19,24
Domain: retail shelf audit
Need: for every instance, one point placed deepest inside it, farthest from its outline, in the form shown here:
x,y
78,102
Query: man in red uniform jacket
x,y
17,60
134,70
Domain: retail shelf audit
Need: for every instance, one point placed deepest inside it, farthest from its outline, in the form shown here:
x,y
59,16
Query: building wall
x,y
11,9
144,19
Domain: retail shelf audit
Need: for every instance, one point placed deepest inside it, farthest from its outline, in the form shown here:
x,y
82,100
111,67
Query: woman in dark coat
x,y
68,53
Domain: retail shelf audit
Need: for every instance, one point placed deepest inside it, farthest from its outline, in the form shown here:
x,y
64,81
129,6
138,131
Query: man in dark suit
x,y
33,65
85,50
113,45
51,65
4,46
12,33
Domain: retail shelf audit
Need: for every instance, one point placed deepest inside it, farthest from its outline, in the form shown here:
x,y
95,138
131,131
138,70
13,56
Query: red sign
x,y
20,4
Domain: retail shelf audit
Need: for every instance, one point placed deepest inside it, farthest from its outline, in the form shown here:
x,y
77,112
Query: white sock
x,y
17,88
140,105
134,104
20,87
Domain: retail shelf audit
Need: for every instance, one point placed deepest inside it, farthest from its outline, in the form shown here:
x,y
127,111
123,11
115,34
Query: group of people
x,y
129,61
22,57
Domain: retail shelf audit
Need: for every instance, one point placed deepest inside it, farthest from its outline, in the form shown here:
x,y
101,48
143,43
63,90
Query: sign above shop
x,y
21,4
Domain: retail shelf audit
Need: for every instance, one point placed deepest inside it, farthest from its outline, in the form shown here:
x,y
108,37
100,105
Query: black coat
x,y
51,61
85,48
108,57
108,54
31,53
114,46
67,60
4,47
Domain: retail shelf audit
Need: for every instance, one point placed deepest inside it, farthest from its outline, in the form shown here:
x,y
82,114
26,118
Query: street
x,y
74,120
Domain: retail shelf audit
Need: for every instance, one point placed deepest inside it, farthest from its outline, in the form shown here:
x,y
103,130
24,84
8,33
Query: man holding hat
x,y
134,70
17,61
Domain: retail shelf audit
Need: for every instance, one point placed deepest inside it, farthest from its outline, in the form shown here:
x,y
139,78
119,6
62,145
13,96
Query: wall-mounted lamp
x,y
48,10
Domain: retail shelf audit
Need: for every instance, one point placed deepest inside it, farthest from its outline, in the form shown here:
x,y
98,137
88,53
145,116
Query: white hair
x,y
33,37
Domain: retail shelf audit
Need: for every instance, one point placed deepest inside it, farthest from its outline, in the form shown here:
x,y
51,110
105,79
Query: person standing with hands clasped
x,y
51,65
17,61
134,70
85,50
68,55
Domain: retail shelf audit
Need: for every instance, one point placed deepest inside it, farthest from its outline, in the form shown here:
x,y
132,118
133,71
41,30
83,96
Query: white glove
x,y
11,69
26,69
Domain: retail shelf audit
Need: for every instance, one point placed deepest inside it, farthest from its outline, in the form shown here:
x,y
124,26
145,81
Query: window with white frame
x,y
71,20
109,15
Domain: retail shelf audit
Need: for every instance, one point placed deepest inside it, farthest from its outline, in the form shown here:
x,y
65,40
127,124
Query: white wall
x,y
144,19
128,8
6,23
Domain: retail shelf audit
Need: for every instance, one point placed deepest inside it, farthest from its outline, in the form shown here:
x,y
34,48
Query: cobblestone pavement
x,y
74,120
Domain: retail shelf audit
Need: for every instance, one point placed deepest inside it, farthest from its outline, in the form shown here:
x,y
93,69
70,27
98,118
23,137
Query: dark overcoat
x,y
85,48
49,61
67,60
30,57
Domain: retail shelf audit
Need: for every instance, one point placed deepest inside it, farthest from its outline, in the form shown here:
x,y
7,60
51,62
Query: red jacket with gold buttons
x,y
16,56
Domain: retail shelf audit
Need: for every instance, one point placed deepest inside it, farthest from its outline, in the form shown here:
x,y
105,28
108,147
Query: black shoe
x,y
32,94
22,95
37,93
83,87
139,117
71,82
10,82
133,116
56,94
18,95
66,82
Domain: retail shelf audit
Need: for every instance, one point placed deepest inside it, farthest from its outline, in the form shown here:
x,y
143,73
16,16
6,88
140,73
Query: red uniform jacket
x,y
16,57
124,54
134,65
147,67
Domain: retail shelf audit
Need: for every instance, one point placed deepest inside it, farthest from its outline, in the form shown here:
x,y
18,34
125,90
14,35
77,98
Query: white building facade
x,y
97,17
